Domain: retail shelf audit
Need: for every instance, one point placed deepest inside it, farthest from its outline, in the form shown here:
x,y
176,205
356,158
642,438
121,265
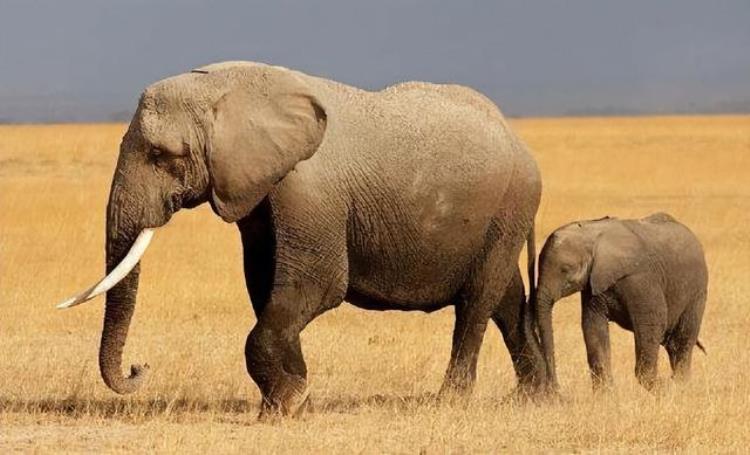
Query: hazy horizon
x,y
83,60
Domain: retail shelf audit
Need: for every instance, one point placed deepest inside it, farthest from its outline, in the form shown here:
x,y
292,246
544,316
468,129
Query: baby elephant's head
x,y
565,262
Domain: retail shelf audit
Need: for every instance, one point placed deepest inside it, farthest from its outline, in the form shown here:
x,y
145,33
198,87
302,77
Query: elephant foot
x,y
454,394
602,387
535,394
519,396
655,386
287,400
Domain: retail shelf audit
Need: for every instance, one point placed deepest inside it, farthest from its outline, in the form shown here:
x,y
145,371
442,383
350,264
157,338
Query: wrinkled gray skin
x,y
648,275
415,197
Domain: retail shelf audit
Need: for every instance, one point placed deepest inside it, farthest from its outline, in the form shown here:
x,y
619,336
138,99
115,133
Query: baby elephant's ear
x,y
258,135
618,252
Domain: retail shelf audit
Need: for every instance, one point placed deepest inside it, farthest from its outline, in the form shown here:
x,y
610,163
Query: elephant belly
x,y
372,301
410,285
616,311
413,264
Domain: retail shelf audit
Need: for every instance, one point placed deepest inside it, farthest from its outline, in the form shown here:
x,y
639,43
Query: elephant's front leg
x,y
302,290
595,327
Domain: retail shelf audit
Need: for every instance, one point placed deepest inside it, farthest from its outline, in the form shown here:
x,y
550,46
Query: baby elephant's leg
x,y
647,308
682,340
647,342
596,335
680,352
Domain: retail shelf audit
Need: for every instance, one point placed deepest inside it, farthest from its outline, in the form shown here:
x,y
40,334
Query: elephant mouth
x,y
173,204
191,204
185,199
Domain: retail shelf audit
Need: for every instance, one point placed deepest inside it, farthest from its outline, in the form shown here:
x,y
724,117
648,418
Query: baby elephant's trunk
x,y
543,307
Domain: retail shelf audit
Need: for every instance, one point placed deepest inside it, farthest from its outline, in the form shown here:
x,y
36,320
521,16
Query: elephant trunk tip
x,y
126,385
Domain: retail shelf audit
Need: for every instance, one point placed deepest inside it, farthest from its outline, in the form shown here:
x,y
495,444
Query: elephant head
x,y
587,256
225,134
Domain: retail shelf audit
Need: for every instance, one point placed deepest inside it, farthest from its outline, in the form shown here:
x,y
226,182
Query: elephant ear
x,y
260,131
618,252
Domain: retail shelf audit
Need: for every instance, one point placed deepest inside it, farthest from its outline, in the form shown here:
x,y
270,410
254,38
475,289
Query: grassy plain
x,y
371,373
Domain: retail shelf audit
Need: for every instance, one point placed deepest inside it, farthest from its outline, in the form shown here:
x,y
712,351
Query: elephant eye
x,y
156,152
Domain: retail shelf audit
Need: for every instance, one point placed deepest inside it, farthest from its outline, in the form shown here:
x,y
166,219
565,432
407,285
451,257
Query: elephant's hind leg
x,y
682,339
472,316
509,318
474,305
680,354
648,312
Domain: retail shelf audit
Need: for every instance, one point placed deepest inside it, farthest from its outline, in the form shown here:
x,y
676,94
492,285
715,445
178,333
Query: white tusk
x,y
117,274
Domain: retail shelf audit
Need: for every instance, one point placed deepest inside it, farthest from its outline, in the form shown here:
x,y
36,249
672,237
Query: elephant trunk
x,y
543,308
120,302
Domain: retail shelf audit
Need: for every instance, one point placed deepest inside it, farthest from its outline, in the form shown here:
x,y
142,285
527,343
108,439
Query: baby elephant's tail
x,y
700,346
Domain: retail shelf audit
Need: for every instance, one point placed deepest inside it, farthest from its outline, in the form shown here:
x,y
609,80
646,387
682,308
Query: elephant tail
x,y
531,261
701,347
530,324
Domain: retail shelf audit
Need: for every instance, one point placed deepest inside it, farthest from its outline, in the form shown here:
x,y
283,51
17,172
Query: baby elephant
x,y
648,275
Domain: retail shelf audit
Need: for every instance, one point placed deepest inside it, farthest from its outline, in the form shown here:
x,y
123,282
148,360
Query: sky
x,y
87,60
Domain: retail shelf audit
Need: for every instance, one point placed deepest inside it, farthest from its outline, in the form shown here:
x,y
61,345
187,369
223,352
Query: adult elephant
x,y
415,197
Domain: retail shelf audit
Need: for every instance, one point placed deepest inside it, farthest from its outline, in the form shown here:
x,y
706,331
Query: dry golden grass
x,y
370,373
